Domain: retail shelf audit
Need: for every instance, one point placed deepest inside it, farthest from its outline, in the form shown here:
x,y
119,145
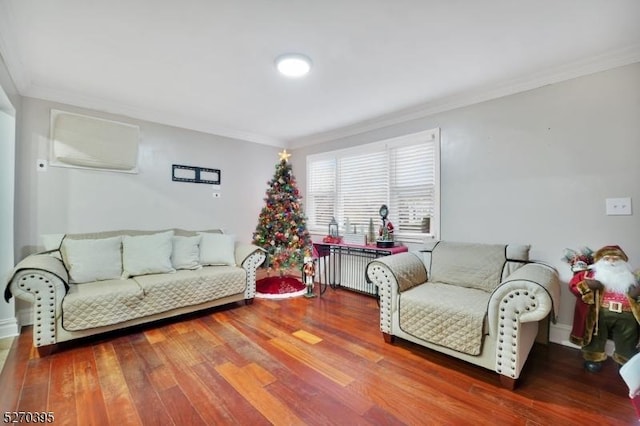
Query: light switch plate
x,y
618,206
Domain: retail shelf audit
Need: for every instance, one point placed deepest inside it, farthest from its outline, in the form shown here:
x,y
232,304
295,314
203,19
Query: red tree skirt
x,y
279,287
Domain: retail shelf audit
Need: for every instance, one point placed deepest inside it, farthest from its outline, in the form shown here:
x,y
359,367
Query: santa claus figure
x,y
607,307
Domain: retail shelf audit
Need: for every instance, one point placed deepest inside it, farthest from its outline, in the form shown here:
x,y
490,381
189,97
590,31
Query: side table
x,y
344,265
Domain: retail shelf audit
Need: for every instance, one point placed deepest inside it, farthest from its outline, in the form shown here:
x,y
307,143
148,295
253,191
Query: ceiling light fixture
x,y
293,65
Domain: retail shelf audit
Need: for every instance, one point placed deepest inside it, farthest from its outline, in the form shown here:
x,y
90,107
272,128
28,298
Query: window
x,y
352,184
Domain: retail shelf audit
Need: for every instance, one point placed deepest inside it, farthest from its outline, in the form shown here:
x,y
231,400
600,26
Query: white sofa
x,y
481,303
93,283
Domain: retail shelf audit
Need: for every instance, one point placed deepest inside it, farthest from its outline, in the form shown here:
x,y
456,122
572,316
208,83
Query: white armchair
x,y
478,302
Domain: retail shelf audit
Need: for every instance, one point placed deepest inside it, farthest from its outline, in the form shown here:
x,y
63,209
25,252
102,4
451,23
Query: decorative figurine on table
x,y
309,273
385,233
333,237
607,306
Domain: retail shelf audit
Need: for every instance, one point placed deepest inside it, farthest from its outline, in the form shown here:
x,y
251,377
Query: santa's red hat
x,y
610,251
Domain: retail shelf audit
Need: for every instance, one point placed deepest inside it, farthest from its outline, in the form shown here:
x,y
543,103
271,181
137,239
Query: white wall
x,y
8,324
536,167
533,168
63,200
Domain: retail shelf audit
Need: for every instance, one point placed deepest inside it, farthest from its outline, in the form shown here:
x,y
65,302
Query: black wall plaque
x,y
180,173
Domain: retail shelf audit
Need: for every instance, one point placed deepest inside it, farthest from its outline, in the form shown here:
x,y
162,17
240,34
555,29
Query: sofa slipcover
x,y
482,303
63,310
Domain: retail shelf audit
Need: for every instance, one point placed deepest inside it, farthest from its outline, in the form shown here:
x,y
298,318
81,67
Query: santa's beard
x,y
614,276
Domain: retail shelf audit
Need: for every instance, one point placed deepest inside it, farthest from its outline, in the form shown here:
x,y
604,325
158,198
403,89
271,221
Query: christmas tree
x,y
282,229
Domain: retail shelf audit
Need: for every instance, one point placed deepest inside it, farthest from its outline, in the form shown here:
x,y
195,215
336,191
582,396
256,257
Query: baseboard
x,y
559,333
9,328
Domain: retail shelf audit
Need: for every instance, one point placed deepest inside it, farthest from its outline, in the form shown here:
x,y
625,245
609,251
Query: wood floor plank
x,y
34,394
313,405
121,407
346,395
147,401
307,337
313,361
13,373
179,407
206,400
147,355
243,381
62,389
228,402
154,335
180,349
206,334
90,406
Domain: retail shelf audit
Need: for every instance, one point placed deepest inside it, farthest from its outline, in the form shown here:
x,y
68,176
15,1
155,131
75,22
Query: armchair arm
x,y
528,295
41,280
250,257
393,275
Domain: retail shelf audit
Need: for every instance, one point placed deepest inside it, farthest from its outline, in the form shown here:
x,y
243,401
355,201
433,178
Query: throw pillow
x,y
147,254
52,244
518,252
217,249
186,252
52,241
92,260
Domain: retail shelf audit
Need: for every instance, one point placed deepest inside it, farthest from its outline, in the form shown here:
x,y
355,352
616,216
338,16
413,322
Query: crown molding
x,y
17,71
24,85
146,114
622,57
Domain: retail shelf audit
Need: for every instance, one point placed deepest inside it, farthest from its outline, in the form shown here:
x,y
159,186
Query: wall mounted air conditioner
x,y
86,142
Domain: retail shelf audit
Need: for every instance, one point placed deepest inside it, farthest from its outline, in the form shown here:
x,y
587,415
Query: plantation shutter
x,y
412,181
352,184
363,187
321,176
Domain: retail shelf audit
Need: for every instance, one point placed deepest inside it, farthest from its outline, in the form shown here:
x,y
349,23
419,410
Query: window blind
x,y
352,184
363,184
321,176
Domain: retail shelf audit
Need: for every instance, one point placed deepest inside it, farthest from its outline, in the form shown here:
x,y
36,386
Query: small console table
x,y
344,265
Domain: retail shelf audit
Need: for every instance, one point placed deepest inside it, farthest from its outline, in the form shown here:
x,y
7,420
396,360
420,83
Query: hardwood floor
x,y
296,361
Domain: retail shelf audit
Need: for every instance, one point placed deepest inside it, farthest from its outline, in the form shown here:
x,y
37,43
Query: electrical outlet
x,y
41,165
618,206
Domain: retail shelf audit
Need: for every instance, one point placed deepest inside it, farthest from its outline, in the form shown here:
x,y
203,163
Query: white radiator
x,y
352,273
347,268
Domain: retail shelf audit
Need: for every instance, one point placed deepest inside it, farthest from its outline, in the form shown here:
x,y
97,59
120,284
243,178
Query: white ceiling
x,y
208,64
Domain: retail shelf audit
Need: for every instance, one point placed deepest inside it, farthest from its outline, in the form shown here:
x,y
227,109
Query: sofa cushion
x,y
185,288
111,302
447,315
100,303
468,264
217,249
186,252
147,254
92,260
